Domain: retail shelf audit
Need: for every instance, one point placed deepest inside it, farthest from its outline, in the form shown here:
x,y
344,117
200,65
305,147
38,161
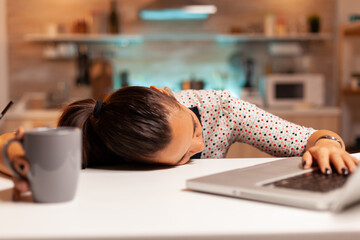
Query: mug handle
x,y
6,157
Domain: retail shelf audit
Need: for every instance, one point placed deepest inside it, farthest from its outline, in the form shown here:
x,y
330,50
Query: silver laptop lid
x,y
248,183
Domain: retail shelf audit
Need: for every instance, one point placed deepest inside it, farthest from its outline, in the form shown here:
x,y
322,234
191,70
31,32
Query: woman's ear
x,y
160,90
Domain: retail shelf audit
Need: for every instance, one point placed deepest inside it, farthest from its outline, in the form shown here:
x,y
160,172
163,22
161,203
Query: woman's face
x,y
186,140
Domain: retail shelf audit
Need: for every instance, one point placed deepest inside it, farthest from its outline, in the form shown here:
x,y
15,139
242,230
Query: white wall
x,y
345,8
3,56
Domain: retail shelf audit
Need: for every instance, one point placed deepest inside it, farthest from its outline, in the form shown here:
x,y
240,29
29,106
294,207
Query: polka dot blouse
x,y
226,119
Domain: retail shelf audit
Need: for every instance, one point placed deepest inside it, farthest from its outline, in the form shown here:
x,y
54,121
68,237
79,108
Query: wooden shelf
x,y
350,91
352,29
128,38
263,38
84,38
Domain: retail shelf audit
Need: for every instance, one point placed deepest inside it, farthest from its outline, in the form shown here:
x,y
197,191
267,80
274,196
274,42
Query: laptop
x,y
284,182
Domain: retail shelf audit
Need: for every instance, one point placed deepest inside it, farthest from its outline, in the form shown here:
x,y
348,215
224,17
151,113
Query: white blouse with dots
x,y
226,119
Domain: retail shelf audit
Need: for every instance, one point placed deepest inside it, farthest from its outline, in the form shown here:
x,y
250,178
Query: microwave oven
x,y
294,90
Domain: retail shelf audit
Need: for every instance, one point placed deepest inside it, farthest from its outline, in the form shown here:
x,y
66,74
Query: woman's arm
x,y
327,152
282,138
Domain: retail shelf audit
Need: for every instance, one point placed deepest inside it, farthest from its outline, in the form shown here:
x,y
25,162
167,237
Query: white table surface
x,y
154,204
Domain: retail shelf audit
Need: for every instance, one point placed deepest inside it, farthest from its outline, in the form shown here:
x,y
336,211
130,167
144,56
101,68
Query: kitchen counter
x,y
30,112
135,203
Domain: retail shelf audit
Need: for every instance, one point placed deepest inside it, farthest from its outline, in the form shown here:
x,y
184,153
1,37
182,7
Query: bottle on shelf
x,y
114,26
124,78
269,25
83,63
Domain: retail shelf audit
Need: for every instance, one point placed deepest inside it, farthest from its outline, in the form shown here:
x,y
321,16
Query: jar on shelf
x,y
269,25
355,81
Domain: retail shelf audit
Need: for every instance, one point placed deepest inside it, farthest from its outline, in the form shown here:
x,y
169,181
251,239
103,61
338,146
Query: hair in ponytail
x,y
131,125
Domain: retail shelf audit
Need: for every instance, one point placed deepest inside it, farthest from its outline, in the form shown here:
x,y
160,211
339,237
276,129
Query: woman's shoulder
x,y
202,98
200,94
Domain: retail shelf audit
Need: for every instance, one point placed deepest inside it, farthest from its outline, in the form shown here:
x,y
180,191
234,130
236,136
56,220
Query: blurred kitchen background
x,y
299,59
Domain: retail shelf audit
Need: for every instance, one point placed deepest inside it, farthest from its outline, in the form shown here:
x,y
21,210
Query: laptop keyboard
x,y
312,181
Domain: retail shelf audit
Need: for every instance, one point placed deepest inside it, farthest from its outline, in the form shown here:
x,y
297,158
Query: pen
x,y
5,109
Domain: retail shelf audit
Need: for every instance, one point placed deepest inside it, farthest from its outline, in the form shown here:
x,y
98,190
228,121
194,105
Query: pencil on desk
x,y
6,109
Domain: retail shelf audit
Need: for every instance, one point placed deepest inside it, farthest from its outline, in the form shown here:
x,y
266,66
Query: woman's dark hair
x,y
132,125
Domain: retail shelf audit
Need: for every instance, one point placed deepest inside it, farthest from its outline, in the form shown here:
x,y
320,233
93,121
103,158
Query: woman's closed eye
x,y
195,126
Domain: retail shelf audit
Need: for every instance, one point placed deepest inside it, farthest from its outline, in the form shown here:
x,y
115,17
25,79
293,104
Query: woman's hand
x,y
165,90
17,158
327,153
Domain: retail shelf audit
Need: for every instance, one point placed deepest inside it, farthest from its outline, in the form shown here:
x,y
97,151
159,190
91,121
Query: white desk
x,y
153,204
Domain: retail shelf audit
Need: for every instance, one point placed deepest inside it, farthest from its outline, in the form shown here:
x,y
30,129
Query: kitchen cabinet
x,y
324,118
349,85
4,85
218,61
